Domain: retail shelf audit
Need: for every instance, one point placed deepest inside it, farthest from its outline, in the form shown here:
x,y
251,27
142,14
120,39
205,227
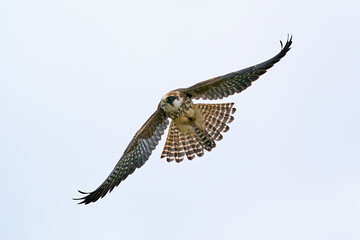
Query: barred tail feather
x,y
178,145
169,148
189,151
217,124
213,131
222,108
215,119
179,149
197,147
204,138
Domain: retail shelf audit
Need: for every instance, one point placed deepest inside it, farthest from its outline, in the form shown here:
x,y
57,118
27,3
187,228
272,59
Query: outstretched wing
x,y
135,155
235,82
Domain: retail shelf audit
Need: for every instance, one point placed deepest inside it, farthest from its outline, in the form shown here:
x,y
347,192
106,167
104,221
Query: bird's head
x,y
172,101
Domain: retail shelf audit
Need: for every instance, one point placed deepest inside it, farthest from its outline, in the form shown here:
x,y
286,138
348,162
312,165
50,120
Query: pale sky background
x,y
79,78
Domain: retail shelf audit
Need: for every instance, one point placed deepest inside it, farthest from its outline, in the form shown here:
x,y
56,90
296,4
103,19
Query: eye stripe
x,y
170,99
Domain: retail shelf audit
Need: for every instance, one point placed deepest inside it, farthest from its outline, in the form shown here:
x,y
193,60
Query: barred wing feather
x,y
135,155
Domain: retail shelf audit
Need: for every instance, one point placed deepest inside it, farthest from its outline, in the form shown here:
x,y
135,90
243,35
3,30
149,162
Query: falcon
x,y
193,128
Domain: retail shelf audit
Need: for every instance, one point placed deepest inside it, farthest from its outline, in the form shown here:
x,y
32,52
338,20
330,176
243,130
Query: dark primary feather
x,y
135,155
235,82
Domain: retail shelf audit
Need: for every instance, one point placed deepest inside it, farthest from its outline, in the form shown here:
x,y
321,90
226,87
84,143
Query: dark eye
x,y
170,99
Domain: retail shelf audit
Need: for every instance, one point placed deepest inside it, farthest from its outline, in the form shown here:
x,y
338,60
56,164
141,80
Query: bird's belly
x,y
190,119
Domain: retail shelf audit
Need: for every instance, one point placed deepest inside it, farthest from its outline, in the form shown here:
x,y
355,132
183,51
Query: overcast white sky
x,y
78,79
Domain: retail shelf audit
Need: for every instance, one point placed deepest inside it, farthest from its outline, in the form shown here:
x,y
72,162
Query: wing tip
x,y
287,46
91,196
84,200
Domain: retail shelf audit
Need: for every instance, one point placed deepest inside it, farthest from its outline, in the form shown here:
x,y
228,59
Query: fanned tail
x,y
215,119
178,144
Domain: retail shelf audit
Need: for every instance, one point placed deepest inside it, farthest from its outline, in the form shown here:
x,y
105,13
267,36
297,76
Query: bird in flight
x,y
193,128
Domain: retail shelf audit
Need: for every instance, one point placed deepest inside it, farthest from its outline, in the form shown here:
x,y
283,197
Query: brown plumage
x,y
194,127
214,119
